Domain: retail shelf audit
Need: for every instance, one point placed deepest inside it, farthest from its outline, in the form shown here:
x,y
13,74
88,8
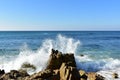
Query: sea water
x,y
100,50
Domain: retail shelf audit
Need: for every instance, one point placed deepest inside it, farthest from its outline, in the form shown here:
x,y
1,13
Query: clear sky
x,y
59,14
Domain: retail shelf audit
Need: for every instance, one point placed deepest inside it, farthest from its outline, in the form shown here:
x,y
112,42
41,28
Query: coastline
x,y
61,66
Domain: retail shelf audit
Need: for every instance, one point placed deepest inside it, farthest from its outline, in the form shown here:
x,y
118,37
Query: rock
x,y
27,65
45,75
42,75
57,58
55,61
69,59
94,76
54,77
83,75
14,74
57,71
115,75
6,76
2,72
68,72
23,73
81,55
91,76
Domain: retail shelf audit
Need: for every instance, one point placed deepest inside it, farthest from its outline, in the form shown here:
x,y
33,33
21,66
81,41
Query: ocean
x,y
100,49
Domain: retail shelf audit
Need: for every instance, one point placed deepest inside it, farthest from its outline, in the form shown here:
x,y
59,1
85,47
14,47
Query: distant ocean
x,y
101,49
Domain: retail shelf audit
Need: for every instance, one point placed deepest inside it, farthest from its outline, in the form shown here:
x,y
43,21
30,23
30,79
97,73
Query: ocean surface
x,y
101,49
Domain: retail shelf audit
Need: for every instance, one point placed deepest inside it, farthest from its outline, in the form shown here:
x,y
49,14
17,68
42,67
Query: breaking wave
x,y
39,57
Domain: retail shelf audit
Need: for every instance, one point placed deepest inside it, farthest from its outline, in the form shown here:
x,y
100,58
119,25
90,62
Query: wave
x,y
39,57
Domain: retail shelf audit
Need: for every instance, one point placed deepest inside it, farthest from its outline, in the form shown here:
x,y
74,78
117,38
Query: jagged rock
x,y
46,74
95,76
115,75
83,75
68,72
2,72
15,75
57,58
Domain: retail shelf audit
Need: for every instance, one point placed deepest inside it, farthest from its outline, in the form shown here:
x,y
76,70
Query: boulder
x,y
68,72
57,58
27,66
15,75
2,72
115,75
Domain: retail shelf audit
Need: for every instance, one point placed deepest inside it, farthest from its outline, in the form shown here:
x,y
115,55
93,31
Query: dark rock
x,y
55,61
27,65
81,55
57,58
14,74
99,77
2,72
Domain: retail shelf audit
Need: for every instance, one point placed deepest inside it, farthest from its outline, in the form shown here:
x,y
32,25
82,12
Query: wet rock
x,y
94,76
15,75
115,75
2,72
81,55
83,75
57,58
26,66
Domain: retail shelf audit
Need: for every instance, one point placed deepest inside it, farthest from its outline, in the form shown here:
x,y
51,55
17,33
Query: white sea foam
x,y
40,57
64,44
104,67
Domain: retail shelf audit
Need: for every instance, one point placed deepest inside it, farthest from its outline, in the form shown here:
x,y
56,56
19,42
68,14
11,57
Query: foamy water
x,y
39,57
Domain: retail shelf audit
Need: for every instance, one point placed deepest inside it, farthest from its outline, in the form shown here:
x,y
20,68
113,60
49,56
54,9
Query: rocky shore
x,y
60,67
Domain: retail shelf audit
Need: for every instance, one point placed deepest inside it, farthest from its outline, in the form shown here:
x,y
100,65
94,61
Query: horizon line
x,y
57,30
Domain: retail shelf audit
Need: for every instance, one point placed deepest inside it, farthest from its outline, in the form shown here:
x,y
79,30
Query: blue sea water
x,y
101,49
94,43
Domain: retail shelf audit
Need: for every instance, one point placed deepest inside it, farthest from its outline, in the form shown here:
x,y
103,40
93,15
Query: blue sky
x,y
59,14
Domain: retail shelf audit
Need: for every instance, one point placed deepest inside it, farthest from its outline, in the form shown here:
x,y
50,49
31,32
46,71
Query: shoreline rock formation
x,y
60,67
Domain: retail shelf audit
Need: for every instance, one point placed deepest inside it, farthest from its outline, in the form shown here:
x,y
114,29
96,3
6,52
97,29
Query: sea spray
x,y
40,56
